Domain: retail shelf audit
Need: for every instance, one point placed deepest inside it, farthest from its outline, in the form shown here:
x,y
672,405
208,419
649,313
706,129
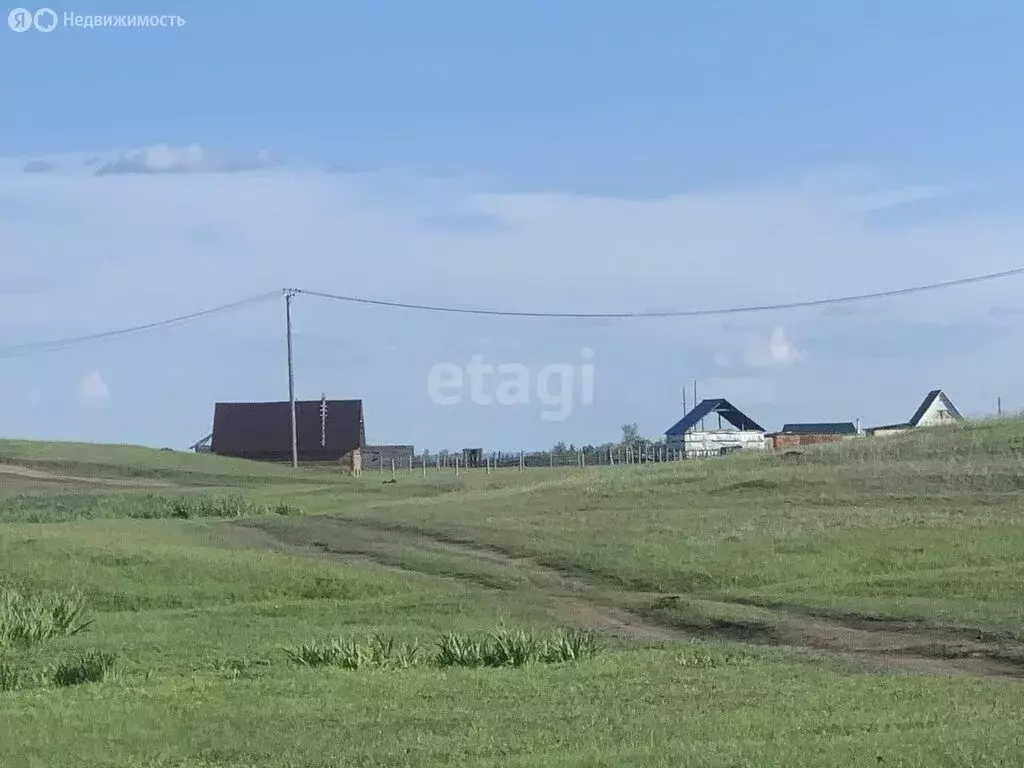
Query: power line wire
x,y
44,346
56,344
671,313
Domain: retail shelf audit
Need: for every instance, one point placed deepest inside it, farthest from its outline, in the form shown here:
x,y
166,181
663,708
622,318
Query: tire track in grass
x,y
570,599
603,605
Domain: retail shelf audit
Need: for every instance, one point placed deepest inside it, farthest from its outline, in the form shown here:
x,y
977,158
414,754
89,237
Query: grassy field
x,y
858,604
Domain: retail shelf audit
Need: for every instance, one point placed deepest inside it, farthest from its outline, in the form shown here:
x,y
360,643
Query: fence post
x,y
424,465
522,461
392,469
456,465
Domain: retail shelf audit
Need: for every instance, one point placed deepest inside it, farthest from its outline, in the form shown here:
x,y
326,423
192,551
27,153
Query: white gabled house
x,y
936,408
692,436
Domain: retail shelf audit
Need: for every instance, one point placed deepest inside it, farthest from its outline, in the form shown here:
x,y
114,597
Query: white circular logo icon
x,y
45,20
20,20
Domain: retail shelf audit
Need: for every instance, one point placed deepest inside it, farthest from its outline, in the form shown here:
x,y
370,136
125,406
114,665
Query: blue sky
x,y
549,156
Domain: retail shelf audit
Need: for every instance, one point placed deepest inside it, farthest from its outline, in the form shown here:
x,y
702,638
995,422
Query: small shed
x,y
792,435
381,456
730,430
935,409
202,446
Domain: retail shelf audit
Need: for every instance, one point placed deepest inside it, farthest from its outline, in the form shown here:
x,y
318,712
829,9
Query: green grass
x,y
135,462
190,606
627,709
39,507
925,526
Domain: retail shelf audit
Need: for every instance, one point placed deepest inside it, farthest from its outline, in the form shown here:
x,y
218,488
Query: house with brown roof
x,y
327,431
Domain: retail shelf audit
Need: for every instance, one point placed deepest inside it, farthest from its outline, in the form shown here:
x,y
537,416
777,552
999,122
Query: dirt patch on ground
x,y
613,621
935,652
49,479
875,644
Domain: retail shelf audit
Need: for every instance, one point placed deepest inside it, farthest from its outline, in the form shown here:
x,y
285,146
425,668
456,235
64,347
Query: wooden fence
x,y
456,462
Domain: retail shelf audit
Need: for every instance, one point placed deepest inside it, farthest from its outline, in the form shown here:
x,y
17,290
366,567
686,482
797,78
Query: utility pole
x,y
323,423
288,294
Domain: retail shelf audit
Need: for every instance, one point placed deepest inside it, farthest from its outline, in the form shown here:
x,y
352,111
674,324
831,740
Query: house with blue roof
x,y
714,428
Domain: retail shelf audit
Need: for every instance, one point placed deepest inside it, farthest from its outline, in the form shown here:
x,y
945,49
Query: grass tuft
x,y
459,651
243,666
572,645
28,620
230,506
93,667
10,679
705,658
504,648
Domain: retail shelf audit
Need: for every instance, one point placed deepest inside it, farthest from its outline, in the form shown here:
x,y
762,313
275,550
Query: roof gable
x,y
823,428
930,398
723,408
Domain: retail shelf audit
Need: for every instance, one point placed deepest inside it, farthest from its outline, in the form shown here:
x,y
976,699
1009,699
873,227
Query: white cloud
x,y
779,351
166,232
191,159
93,389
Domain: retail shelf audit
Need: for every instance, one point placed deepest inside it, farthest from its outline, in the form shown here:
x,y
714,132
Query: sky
x,y
536,157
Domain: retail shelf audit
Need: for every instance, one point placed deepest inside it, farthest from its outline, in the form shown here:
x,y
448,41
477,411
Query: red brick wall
x,y
792,441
